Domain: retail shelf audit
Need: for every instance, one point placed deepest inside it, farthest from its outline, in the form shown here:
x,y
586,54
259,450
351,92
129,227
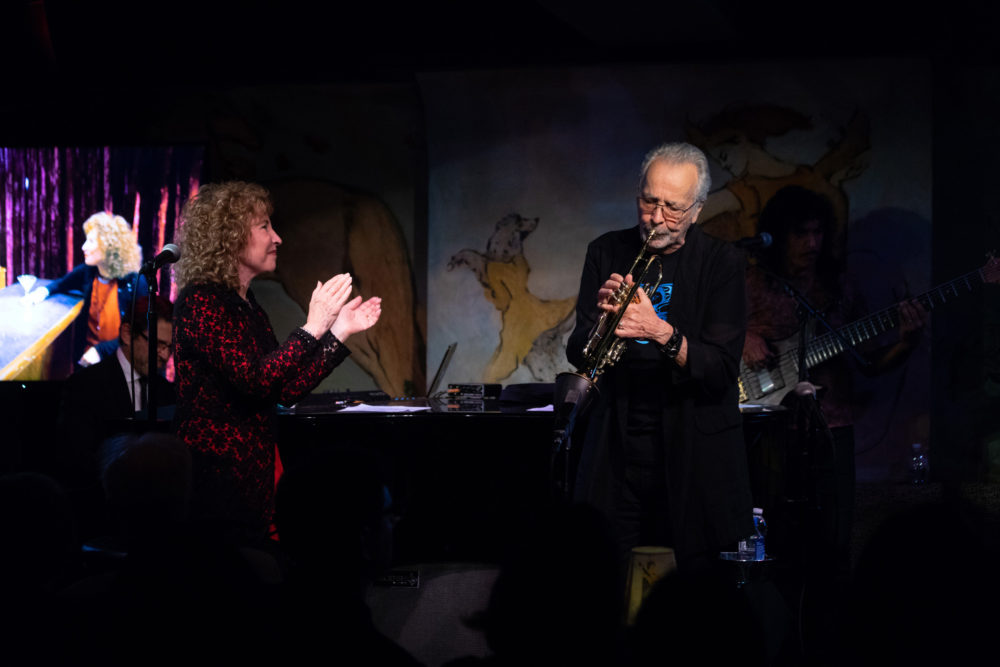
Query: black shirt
x,y
645,367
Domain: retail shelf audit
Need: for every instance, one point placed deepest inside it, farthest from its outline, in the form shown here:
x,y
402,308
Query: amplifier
x,y
480,391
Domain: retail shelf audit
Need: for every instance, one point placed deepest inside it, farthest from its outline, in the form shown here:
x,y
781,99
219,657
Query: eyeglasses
x,y
670,210
162,346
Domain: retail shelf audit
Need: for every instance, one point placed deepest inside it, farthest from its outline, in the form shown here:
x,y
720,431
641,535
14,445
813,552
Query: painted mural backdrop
x,y
526,167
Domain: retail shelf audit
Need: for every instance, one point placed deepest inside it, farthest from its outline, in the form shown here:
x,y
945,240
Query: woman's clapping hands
x,y
326,303
356,316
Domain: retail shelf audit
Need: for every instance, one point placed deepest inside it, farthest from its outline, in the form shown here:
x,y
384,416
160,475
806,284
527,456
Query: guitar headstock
x,y
991,270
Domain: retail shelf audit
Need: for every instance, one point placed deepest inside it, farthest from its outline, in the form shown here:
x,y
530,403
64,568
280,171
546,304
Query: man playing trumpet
x,y
663,452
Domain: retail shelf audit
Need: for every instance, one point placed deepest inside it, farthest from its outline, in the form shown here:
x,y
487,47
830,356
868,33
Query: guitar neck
x,y
769,385
829,345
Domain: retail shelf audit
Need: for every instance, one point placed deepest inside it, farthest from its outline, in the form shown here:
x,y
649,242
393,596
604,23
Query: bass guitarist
x,y
805,256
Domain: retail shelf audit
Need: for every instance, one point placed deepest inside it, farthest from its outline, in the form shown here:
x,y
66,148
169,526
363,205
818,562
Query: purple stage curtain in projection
x,y
47,193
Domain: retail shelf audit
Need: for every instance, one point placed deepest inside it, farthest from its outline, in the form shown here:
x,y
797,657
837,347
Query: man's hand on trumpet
x,y
606,295
639,320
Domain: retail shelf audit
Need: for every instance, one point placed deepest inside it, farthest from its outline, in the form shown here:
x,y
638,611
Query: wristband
x,y
673,345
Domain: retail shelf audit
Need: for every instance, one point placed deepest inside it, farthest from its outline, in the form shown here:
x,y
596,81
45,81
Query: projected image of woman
x,y
106,279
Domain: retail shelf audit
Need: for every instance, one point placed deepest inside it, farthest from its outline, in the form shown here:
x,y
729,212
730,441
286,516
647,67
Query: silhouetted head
x,y
925,588
332,513
147,482
557,597
697,617
39,533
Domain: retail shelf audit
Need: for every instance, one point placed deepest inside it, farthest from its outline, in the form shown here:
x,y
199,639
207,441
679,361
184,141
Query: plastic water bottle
x,y
919,468
752,548
761,527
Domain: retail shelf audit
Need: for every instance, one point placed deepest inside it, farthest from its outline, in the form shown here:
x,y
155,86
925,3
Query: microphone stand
x,y
170,253
809,411
574,393
153,339
807,313
809,422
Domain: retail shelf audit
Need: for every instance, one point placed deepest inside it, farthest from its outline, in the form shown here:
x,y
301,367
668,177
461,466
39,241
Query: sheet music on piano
x,y
379,401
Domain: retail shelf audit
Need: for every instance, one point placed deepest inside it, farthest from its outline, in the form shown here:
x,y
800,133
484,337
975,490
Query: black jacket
x,y
94,399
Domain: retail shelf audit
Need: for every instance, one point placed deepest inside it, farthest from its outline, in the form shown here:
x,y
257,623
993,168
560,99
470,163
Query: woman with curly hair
x,y
106,280
231,371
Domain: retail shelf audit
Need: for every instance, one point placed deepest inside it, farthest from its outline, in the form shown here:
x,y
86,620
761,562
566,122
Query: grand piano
x,y
461,475
464,475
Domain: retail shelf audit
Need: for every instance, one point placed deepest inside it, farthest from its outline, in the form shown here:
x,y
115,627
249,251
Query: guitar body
x,y
768,386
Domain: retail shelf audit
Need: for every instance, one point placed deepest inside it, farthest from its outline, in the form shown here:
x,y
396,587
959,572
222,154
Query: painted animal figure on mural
x,y
360,234
329,228
736,139
525,318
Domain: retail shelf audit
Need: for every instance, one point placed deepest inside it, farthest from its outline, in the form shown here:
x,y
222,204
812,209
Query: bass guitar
x,y
767,386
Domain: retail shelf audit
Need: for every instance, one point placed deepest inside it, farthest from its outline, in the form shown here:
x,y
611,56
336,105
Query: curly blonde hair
x,y
214,230
122,255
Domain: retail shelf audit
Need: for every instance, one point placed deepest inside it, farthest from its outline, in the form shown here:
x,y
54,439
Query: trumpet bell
x,y
573,394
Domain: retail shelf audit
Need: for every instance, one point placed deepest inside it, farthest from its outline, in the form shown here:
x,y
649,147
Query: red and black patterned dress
x,y
231,373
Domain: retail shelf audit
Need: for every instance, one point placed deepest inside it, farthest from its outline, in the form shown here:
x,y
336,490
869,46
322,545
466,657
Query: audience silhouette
x,y
179,591
556,599
37,558
924,591
697,617
332,511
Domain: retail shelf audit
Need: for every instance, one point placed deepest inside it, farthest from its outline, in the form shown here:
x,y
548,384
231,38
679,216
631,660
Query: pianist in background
x,y
106,279
231,370
97,400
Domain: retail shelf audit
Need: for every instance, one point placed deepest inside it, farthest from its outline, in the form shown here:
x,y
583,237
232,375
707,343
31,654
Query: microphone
x,y
762,240
168,255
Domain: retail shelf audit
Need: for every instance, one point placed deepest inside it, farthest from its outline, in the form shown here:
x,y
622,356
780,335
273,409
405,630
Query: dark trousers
x,y
642,516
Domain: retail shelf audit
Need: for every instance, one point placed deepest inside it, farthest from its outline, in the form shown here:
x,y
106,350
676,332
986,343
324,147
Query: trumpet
x,y
604,348
574,392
